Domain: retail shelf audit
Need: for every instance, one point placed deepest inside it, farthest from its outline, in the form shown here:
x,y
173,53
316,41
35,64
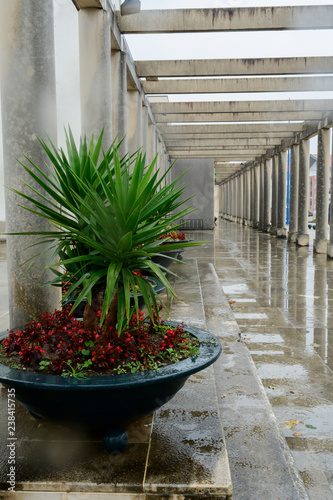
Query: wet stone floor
x,y
271,306
282,300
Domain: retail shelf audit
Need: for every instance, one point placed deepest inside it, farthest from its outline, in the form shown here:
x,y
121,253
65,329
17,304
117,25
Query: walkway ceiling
x,y
237,131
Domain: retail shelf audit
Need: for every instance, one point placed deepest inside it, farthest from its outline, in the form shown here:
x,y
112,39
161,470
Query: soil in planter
x,y
59,345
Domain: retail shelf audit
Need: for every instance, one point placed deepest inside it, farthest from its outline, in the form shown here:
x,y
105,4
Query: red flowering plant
x,y
111,218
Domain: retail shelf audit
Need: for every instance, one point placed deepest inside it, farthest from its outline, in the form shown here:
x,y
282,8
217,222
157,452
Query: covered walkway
x,y
270,304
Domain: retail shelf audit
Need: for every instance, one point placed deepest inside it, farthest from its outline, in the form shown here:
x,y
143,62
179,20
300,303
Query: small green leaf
x,y
85,352
310,426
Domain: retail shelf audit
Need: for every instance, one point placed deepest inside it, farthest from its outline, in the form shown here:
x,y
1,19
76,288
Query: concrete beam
x,y
235,85
270,136
242,106
89,4
228,19
216,151
203,143
233,128
238,117
229,67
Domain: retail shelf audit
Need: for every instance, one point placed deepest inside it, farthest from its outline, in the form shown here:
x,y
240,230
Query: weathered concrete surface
x,y
242,106
229,67
28,99
303,194
199,180
260,116
246,130
225,19
294,186
95,73
234,85
323,168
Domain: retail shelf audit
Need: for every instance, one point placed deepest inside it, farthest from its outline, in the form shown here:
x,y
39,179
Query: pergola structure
x,y
245,141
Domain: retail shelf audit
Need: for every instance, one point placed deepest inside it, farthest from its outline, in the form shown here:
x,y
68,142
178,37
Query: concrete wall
x,y
199,180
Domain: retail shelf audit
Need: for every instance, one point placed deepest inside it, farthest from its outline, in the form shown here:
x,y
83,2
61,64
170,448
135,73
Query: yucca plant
x,y
107,214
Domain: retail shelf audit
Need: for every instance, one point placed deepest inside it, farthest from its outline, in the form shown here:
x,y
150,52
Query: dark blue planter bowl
x,y
107,404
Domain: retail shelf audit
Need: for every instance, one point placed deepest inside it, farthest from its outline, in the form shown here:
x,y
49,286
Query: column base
x,y
250,223
320,246
246,222
255,225
260,226
267,228
302,240
292,236
273,231
330,250
281,232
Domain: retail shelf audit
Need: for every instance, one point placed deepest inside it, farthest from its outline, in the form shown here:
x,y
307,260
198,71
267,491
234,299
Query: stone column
x,y
229,199
248,197
95,73
267,196
134,120
28,99
281,230
244,198
240,196
119,99
261,196
253,198
275,168
151,142
145,129
256,205
294,181
303,194
330,244
323,170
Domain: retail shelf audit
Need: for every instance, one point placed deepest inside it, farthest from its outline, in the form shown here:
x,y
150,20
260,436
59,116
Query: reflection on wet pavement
x,y
282,297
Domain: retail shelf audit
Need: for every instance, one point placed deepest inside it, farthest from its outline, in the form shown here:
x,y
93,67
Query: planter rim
x,y
210,350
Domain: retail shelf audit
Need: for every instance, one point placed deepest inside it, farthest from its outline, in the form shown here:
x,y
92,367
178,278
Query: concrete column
x,y
293,205
134,121
275,168
28,101
240,196
248,196
151,142
267,196
323,171
281,230
303,194
253,198
244,198
235,199
229,198
256,205
145,129
261,196
95,73
119,99
330,245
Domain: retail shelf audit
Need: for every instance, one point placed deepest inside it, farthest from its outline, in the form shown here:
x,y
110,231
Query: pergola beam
x,y
229,67
238,117
233,128
238,85
228,19
203,142
299,105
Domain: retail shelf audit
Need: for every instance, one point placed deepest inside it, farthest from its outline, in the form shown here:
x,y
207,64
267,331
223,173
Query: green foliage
x,y
105,215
